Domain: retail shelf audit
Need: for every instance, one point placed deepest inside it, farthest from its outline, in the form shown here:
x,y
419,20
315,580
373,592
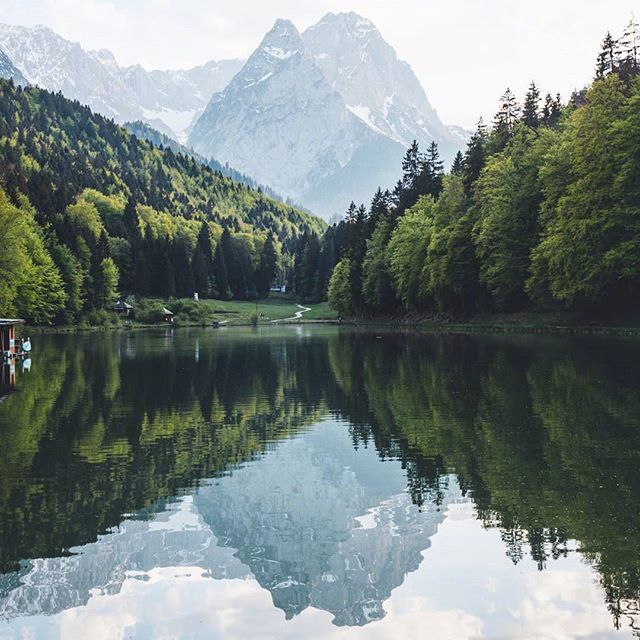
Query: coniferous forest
x,y
541,212
89,212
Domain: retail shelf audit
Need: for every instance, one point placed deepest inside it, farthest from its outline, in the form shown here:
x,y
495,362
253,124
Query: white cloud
x,y
464,51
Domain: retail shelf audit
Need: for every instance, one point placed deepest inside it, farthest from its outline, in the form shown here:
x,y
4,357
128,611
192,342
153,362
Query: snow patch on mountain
x,y
323,116
168,99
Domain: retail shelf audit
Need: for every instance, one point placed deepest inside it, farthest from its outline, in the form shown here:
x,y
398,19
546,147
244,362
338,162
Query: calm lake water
x,y
321,483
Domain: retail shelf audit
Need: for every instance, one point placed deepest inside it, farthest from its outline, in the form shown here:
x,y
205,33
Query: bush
x,y
150,311
189,310
98,318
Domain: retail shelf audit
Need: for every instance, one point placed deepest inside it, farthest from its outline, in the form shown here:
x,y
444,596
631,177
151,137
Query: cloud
x,y
465,52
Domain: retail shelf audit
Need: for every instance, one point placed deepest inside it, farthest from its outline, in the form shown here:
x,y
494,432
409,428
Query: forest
x,y
89,212
541,212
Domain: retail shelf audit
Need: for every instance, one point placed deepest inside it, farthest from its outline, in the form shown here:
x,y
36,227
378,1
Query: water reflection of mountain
x,y
321,524
542,433
315,521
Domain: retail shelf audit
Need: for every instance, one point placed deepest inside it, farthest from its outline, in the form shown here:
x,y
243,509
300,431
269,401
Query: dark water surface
x,y
319,483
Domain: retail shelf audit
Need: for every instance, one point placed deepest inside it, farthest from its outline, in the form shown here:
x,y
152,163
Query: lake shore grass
x,y
280,309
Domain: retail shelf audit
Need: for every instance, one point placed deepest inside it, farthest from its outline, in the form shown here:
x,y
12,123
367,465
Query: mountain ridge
x,y
332,109
167,99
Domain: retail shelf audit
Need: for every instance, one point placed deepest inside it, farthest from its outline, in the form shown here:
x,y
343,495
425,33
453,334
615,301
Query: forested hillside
x,y
88,211
542,211
147,132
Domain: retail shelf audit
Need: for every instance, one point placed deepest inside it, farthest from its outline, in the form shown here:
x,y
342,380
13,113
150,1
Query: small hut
x,y
123,309
167,316
8,336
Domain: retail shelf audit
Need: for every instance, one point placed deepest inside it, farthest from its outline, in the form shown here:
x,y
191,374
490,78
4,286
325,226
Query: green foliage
x,y
377,286
31,285
408,252
339,292
590,249
507,199
543,210
149,311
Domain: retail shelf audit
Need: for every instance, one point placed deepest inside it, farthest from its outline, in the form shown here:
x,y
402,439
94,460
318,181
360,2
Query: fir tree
x,y
266,271
457,167
531,107
220,266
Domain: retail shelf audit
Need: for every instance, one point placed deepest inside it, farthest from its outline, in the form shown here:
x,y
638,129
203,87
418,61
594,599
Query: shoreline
x,y
424,325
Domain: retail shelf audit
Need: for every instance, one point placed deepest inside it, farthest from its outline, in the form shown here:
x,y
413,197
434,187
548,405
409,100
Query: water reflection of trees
x,y
114,423
544,433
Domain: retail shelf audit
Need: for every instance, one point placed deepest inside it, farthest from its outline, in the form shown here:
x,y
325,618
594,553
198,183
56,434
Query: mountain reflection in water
x,y
458,482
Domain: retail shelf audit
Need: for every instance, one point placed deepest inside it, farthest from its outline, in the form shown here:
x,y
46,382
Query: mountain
x,y
281,121
376,86
169,100
9,71
324,116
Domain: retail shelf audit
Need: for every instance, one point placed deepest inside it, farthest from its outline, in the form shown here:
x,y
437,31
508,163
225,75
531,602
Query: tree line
x,y
541,211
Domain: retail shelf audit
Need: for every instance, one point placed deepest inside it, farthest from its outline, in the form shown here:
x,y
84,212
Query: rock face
x,y
281,121
323,116
169,100
9,71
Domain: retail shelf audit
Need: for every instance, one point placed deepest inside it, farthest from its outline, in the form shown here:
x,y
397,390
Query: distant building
x,y
8,335
8,351
123,309
167,316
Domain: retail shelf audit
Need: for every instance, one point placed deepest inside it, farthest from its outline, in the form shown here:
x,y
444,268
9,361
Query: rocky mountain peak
x,y
281,43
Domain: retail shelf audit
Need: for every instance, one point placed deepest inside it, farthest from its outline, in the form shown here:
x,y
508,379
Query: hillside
x,y
63,148
116,214
147,132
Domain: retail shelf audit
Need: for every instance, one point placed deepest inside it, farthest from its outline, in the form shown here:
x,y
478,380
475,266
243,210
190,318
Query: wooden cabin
x,y
8,336
123,309
167,316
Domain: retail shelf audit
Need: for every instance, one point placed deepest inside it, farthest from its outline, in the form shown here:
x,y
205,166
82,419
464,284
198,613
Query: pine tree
x,y
504,121
629,50
202,263
531,108
475,157
411,166
458,164
551,111
266,271
608,58
220,266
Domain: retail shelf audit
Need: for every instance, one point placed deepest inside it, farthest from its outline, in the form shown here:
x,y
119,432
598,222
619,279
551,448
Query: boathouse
x,y
8,335
123,309
167,316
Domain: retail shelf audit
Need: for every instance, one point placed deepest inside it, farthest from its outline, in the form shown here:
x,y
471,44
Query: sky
x,y
465,52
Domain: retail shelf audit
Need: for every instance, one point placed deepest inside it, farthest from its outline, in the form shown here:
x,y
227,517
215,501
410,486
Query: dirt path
x,y
297,316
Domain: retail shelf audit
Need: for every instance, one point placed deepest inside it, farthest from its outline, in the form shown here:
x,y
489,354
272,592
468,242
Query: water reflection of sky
x,y
327,534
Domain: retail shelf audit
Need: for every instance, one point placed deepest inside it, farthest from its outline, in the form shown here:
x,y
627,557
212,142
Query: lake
x,y
321,482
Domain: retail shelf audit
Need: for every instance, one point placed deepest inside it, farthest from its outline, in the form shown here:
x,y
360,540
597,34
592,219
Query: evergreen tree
x,y
266,271
475,157
202,263
220,266
608,59
531,107
457,167
504,121
551,111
